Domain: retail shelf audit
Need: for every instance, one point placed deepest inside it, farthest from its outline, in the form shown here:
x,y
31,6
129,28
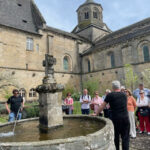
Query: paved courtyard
x,y
142,142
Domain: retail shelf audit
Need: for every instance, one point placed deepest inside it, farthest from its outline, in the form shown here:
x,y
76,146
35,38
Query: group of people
x,y
120,106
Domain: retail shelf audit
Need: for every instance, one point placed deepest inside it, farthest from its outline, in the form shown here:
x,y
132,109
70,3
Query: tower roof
x,y
89,1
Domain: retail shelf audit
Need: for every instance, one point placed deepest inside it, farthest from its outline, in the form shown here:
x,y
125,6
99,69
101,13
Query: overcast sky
x,y
117,14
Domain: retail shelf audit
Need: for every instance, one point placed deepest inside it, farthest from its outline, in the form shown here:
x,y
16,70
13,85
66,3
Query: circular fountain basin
x,y
78,133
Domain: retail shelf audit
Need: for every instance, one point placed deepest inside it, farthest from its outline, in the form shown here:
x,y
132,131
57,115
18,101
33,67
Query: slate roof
x,y
87,2
21,14
128,33
64,33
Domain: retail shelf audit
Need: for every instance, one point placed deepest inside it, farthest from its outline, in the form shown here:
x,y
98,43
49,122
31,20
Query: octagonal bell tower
x,y
90,21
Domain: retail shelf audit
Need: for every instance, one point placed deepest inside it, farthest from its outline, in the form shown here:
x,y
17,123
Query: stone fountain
x,y
76,132
50,115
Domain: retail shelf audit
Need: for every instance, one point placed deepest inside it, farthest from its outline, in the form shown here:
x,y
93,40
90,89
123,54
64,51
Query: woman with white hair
x,y
143,112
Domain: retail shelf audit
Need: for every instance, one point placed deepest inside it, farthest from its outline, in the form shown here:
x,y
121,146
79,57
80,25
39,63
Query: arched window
x,y
89,66
86,15
67,65
22,92
112,60
32,93
95,15
146,53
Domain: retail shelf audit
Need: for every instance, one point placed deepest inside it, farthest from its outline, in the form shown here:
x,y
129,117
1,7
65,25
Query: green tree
x,y
146,77
130,77
91,85
75,94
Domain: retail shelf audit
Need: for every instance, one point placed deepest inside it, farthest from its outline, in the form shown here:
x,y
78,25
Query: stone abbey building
x,y
91,50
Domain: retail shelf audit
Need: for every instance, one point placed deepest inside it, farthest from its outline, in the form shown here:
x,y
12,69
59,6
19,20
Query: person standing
x,y
69,103
120,118
107,111
131,105
85,101
143,112
16,105
141,88
97,101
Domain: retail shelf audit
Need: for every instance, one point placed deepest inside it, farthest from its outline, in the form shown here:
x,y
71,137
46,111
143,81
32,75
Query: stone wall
x,y
26,66
124,53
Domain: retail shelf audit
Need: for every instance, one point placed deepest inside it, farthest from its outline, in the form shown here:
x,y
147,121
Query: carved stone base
x,y
50,114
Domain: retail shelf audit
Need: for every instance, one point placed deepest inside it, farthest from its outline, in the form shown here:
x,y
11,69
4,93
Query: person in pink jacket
x,y
69,103
96,102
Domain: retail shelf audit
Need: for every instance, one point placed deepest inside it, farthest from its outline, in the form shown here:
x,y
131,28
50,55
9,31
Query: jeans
x,y
122,127
12,116
85,111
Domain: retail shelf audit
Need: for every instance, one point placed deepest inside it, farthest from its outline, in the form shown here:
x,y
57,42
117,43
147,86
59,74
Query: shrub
x,y
74,92
92,86
31,112
7,94
76,96
130,77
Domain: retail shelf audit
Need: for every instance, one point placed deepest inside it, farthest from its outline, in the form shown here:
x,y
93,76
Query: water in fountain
x,y
9,134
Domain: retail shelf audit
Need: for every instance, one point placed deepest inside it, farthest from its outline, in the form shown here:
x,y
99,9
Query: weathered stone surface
x,y
50,114
100,140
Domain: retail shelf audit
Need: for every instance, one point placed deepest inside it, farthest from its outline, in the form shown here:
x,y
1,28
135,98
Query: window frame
x,y
65,59
29,44
146,53
95,15
86,15
89,65
32,93
22,92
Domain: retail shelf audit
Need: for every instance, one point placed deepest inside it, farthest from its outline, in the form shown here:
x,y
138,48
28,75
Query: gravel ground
x,y
142,142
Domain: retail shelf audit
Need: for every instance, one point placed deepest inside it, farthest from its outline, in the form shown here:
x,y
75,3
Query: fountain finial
x,y
49,70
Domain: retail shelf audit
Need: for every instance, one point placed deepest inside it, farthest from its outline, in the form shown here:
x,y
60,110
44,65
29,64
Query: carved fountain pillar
x,y
50,110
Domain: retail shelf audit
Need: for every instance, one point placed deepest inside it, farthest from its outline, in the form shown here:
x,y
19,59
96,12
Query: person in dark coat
x,y
118,105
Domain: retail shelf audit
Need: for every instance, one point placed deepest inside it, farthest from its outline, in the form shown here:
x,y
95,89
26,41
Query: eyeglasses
x,y
16,93
141,93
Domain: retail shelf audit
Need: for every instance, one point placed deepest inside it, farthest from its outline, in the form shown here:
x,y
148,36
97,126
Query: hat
x,y
141,91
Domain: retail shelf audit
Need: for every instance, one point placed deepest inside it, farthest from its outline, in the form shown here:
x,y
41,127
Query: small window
x,y
32,93
19,4
112,59
89,66
22,92
25,21
146,53
37,47
95,15
66,63
30,44
86,15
